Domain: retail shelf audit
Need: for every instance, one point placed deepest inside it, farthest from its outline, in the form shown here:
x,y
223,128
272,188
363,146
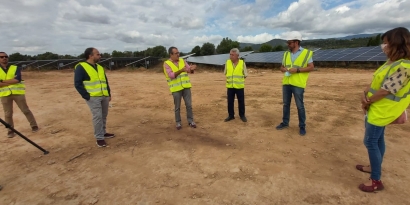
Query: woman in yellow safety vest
x,y
385,100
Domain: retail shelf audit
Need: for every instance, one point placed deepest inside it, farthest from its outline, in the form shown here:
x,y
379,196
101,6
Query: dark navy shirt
x,y
18,72
81,75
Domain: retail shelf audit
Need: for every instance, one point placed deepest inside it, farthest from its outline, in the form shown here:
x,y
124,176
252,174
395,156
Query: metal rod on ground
x,y
22,136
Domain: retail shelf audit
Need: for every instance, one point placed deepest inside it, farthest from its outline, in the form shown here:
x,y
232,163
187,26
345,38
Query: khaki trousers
x,y
20,100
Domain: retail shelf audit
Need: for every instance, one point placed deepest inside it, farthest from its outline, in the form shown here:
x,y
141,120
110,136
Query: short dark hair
x,y
398,43
170,49
88,52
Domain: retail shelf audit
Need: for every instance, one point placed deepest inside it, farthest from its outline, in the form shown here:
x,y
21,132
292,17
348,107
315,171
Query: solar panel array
x,y
360,54
219,59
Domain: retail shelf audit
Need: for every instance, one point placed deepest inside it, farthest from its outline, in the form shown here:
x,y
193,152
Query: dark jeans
x,y
240,94
374,142
287,91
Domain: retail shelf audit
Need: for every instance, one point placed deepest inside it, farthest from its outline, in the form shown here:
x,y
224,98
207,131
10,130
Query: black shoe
x,y
302,131
243,118
101,143
281,126
108,135
229,119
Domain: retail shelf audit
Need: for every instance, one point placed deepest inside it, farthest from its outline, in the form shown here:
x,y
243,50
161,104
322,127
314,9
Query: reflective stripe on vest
x,y
388,109
234,76
97,85
182,81
15,89
297,79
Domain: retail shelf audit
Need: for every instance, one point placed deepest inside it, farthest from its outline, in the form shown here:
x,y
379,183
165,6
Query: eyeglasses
x,y
290,42
177,53
4,57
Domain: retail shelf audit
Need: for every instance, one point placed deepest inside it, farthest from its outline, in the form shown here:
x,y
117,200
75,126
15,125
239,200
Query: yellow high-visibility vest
x,y
388,109
182,81
97,85
15,89
297,79
234,76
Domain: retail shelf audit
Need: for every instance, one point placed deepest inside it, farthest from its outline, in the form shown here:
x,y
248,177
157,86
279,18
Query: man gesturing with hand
x,y
176,72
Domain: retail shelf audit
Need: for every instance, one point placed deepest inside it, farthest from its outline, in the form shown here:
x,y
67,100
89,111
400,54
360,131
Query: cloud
x,y
259,38
69,26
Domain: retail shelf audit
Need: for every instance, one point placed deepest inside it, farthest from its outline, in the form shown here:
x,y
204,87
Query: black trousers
x,y
240,94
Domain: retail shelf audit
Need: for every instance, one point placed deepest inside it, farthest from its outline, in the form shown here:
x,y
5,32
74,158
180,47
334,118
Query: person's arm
x,y
187,67
17,79
225,69
170,73
396,82
79,77
108,85
245,71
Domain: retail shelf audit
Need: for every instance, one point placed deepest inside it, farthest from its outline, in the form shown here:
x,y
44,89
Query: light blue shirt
x,y
293,56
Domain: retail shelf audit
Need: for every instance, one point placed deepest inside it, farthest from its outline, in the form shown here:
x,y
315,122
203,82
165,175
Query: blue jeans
x,y
287,91
374,142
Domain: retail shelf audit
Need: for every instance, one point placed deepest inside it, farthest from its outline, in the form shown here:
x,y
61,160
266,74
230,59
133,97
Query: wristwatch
x,y
298,70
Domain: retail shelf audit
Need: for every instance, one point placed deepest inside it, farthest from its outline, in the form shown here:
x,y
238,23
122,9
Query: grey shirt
x,y
245,71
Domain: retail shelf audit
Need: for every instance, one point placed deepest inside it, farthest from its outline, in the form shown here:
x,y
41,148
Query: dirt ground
x,y
150,162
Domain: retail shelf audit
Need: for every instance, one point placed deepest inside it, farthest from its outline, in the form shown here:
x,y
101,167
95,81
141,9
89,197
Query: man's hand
x,y
109,99
365,107
293,70
193,67
283,69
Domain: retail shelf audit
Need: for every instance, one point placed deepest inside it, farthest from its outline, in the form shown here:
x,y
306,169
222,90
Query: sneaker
x,y
302,131
10,134
179,126
34,129
229,119
192,124
101,143
281,126
243,118
109,135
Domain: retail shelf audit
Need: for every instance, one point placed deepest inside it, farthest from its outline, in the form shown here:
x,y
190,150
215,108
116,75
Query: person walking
x,y
92,84
297,63
12,88
176,72
385,102
235,72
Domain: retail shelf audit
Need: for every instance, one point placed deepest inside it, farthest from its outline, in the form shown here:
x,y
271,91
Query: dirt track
x,y
150,162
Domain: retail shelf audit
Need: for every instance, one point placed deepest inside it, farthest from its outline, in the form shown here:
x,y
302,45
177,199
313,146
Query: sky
x,y
70,26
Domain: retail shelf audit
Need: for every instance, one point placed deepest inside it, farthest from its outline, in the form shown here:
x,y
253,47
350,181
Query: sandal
x,y
360,168
377,185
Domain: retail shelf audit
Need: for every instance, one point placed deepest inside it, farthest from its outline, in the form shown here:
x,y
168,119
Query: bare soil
x,y
150,162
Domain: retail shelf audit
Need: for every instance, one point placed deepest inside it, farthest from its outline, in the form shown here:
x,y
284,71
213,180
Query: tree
x,y
246,48
278,48
207,49
265,48
159,51
196,50
226,45
17,57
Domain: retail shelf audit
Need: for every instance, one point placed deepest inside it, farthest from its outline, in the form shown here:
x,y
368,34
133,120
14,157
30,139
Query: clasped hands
x,y
365,103
291,70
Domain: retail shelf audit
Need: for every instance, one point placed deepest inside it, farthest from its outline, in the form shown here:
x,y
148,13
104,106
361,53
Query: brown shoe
x,y
34,129
108,135
377,185
10,134
101,143
360,168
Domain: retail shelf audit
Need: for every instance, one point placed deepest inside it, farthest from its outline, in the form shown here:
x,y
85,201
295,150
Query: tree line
x,y
208,48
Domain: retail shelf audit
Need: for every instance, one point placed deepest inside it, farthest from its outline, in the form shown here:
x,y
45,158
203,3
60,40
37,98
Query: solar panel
x,y
219,59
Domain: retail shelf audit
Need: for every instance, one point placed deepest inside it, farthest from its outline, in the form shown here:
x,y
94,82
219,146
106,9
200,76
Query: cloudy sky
x,y
69,26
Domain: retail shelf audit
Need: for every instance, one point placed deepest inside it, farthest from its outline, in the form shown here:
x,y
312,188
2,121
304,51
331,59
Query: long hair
x,y
398,40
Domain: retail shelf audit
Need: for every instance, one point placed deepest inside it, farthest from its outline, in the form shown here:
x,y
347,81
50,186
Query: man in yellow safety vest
x,y
92,84
176,72
12,88
296,65
235,72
